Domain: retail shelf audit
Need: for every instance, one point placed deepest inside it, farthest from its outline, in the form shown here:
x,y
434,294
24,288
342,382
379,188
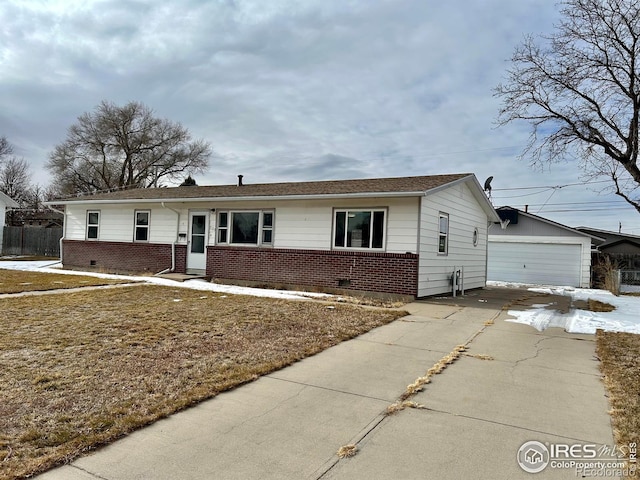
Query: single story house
x,y
623,249
401,236
6,202
526,248
613,242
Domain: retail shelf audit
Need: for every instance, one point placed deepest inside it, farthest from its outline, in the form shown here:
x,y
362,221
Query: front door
x,y
197,247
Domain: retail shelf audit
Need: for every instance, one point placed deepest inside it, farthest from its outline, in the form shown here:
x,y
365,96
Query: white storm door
x,y
197,247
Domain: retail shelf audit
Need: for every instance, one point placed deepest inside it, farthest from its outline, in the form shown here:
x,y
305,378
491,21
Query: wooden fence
x,y
31,241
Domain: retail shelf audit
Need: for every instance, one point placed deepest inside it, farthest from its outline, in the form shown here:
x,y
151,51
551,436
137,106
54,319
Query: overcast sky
x,y
296,90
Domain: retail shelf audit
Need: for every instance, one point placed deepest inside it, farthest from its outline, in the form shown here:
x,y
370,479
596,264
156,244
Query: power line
x,y
552,186
549,198
604,209
620,202
612,203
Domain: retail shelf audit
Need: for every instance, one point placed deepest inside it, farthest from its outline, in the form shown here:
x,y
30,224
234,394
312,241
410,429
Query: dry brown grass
x,y
82,369
620,363
347,451
27,258
14,281
593,305
598,306
607,273
401,405
437,368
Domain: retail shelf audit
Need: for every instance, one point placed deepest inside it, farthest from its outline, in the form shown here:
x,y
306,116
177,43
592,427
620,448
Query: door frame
x,y
197,261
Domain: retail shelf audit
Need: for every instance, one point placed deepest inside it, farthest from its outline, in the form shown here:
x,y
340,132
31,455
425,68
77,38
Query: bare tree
x,y
5,148
579,89
15,179
124,147
37,195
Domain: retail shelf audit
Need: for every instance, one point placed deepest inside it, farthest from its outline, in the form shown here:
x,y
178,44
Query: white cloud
x,y
284,90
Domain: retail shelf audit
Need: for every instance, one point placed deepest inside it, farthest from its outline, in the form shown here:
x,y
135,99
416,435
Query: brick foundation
x,y
122,256
364,271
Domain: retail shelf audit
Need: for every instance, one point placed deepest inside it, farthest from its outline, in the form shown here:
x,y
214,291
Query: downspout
x,y
173,245
486,254
64,228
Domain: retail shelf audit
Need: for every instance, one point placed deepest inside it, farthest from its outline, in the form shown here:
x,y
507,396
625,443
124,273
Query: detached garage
x,y
526,248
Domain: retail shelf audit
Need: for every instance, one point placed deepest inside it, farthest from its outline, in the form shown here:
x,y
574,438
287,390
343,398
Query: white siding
x,y
117,222
298,224
6,202
75,221
3,210
309,224
465,215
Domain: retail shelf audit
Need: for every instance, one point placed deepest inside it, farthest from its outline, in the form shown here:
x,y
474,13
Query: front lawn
x,y
81,369
15,281
620,363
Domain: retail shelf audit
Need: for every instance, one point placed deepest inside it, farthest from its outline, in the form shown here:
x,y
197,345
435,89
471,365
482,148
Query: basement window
x,y
93,224
359,229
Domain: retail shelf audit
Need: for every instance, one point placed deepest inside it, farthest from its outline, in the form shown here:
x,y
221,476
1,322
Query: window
x,y
198,233
267,228
443,234
93,225
359,229
246,227
141,230
223,227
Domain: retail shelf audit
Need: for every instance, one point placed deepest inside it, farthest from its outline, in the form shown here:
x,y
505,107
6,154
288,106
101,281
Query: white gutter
x,y
173,245
243,199
64,227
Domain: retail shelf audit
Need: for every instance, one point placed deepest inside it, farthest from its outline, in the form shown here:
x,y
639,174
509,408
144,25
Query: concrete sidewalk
x,y
289,425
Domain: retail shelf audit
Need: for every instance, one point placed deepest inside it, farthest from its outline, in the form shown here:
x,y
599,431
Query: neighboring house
x,y
613,242
32,218
389,235
6,202
526,248
622,248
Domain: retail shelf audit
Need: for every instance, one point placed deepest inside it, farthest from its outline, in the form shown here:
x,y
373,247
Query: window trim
x,y
371,210
222,228
89,225
441,234
136,226
228,228
266,228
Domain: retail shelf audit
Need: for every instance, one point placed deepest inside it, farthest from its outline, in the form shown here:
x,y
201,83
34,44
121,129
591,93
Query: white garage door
x,y
537,263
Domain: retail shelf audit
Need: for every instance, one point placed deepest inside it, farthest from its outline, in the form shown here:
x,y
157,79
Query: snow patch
x,y
624,318
196,284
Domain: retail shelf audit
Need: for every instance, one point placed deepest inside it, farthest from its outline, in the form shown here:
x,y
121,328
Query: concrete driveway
x,y
512,385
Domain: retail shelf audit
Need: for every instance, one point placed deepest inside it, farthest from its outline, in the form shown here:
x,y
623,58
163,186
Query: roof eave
x,y
238,199
552,223
477,192
8,201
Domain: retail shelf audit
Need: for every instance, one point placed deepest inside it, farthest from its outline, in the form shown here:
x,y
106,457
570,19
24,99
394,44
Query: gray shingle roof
x,y
329,188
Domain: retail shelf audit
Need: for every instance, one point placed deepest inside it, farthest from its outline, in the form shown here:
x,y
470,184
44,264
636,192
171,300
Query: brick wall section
x,y
181,258
367,271
122,256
